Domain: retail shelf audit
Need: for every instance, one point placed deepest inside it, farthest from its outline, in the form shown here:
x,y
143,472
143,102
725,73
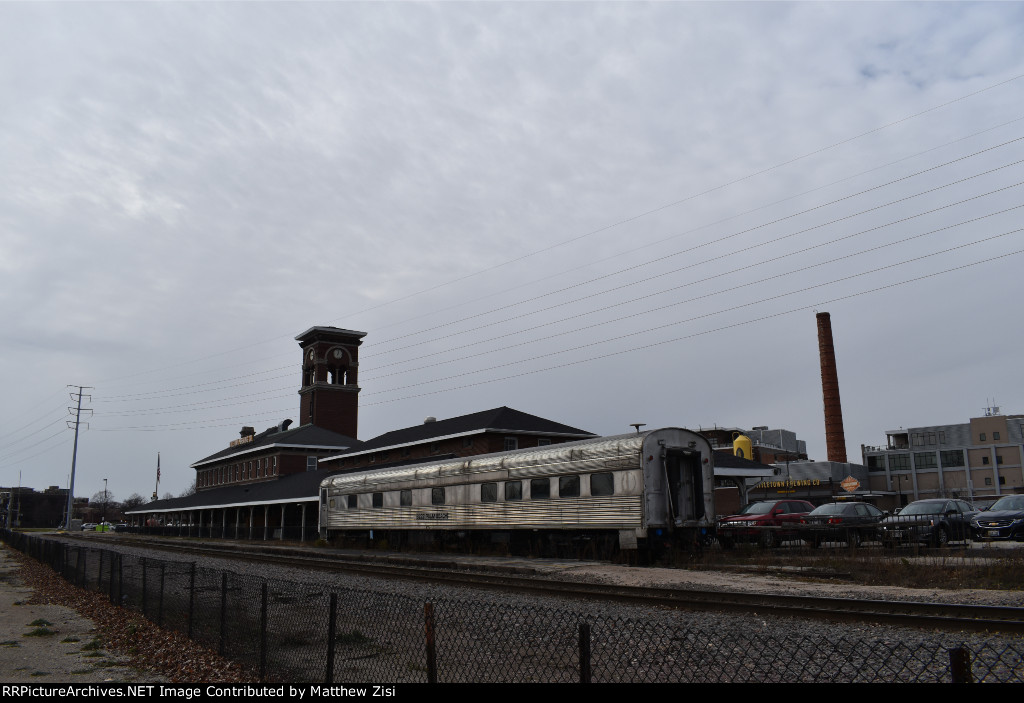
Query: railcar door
x,y
685,483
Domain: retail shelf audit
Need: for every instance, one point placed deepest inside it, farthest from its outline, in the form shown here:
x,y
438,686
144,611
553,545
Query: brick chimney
x,y
835,438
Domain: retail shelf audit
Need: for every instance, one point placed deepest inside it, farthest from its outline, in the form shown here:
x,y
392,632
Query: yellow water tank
x,y
742,447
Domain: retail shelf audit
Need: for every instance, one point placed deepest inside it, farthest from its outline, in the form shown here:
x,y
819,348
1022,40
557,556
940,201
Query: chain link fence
x,y
287,631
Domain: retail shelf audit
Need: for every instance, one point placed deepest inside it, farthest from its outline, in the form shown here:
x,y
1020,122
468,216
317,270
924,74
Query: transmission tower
x,y
77,411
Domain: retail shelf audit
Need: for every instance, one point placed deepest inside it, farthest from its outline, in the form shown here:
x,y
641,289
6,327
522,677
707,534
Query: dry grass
x,y
951,568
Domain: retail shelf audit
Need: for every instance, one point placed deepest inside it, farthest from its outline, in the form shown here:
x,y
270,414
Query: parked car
x,y
850,522
1003,521
88,527
935,521
985,503
767,522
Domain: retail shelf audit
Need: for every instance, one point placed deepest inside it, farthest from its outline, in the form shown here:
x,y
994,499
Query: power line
x,y
651,345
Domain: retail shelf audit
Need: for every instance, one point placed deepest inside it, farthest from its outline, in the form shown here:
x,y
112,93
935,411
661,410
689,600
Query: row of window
x,y
924,460
243,471
919,438
602,484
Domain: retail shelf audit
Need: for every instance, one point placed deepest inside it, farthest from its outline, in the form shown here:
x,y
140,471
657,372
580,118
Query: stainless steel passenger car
x,y
651,489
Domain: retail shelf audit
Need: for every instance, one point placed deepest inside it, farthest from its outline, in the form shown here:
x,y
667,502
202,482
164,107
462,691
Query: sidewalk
x,y
63,648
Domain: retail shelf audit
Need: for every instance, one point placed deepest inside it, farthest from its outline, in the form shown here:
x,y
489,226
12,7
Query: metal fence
x,y
287,631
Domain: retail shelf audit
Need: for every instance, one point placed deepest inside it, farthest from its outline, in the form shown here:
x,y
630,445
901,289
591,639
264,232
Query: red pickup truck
x,y
767,522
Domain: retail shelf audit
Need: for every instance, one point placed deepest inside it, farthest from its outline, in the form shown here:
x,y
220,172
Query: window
x,y
405,497
310,463
435,447
467,441
540,488
999,459
602,484
925,460
981,437
353,501
543,442
995,436
942,437
918,439
1002,480
984,460
988,480
378,500
876,463
437,496
513,490
899,462
931,438
568,486
488,492
511,443
950,459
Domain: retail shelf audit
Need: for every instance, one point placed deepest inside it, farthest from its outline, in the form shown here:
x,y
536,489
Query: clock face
x,y
337,353
310,354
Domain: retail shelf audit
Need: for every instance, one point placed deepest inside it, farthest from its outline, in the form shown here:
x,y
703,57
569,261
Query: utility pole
x,y
74,456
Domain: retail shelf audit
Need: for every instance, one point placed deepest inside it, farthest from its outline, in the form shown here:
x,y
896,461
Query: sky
x,y
600,213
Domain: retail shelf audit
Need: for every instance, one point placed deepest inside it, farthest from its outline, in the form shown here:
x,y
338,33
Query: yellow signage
x,y
790,483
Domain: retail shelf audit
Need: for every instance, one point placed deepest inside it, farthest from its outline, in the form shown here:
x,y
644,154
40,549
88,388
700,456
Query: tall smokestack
x,y
835,439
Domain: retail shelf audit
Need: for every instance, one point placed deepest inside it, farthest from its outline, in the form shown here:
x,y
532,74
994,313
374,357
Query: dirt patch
x,y
53,631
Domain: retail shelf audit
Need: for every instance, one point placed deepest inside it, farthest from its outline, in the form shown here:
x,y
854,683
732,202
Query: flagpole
x,y
156,489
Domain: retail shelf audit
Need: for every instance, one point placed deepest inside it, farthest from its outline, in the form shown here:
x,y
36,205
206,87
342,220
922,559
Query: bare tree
x,y
132,501
190,491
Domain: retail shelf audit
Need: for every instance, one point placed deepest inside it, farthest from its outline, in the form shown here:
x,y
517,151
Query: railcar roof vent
x,y
430,419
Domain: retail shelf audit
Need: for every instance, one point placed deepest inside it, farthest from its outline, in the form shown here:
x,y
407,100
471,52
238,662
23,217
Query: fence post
x,y
191,597
83,575
332,625
120,579
428,614
263,636
223,611
160,602
584,652
110,578
143,586
960,665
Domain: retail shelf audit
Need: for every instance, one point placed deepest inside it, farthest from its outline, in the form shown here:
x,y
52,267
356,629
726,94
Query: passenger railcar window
x,y
568,486
602,484
405,497
540,488
488,492
513,490
437,496
352,501
378,500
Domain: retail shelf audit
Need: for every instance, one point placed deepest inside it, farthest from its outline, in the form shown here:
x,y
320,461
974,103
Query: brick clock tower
x,y
329,396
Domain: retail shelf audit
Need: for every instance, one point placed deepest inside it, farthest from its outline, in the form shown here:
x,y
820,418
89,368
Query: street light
x,y
104,518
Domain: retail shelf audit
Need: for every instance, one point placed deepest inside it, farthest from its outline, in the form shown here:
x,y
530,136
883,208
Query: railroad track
x,y
439,569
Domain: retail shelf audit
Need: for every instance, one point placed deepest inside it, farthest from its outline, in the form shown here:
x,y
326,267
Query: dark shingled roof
x,y
303,436
501,419
298,487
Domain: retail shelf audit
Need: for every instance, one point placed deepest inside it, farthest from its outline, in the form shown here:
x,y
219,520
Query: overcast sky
x,y
600,213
